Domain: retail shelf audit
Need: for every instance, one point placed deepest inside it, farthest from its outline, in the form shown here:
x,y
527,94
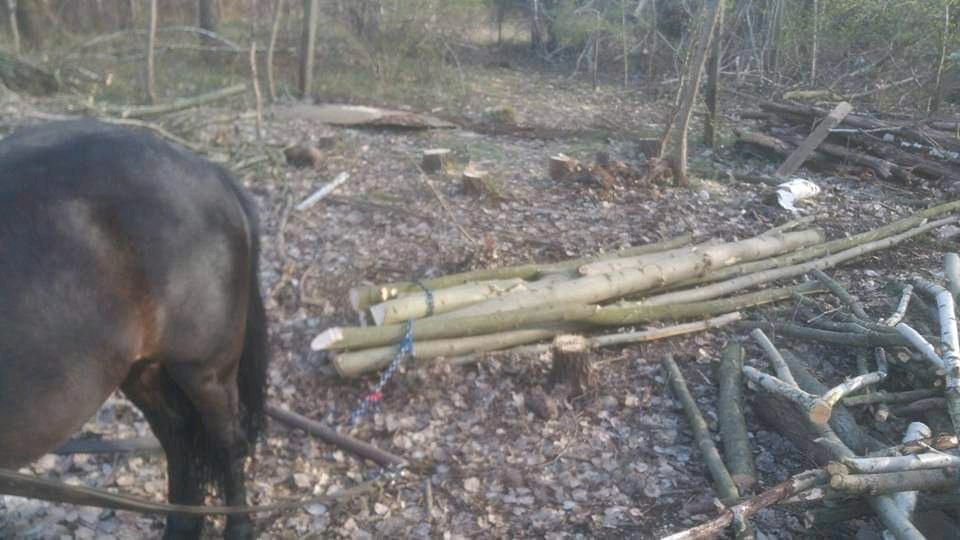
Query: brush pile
x,y
898,152
500,308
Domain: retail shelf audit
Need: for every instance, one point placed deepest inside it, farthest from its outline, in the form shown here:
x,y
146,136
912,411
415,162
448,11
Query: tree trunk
x,y
274,29
711,123
149,91
14,29
815,39
944,38
311,9
676,150
27,14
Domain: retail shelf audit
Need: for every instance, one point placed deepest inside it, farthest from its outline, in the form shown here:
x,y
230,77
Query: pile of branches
x,y
460,315
860,475
897,152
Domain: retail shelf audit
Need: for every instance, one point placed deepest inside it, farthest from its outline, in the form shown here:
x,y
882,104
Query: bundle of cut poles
x,y
461,315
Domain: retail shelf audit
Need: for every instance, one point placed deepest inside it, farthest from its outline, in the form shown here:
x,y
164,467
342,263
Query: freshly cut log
x,y
592,289
363,297
417,305
624,263
355,363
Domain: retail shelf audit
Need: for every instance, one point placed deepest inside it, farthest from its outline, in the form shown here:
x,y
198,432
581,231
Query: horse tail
x,y
252,372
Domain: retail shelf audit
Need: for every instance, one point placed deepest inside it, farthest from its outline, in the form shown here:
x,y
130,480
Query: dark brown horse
x,y
126,262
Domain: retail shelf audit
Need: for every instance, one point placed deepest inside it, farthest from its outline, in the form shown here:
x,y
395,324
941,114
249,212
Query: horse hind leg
x,y
175,423
213,390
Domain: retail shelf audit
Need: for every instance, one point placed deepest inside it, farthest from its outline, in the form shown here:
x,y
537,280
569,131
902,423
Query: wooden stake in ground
x,y
722,481
571,363
435,160
796,159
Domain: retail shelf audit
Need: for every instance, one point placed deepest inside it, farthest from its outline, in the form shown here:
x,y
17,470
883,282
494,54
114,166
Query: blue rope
x,y
375,396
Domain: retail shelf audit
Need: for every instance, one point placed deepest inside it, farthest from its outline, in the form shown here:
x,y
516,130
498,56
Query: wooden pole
x,y
796,159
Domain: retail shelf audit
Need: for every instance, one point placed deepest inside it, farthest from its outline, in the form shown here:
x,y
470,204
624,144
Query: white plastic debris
x,y
795,190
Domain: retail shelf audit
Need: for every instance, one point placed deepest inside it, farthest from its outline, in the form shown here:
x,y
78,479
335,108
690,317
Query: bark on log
x,y
356,363
733,427
363,297
817,136
891,397
612,340
417,305
889,483
784,490
808,113
618,284
777,271
722,481
832,246
842,421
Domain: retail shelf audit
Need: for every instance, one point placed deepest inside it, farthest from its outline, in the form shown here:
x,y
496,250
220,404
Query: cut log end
x,y
819,412
327,339
571,363
378,313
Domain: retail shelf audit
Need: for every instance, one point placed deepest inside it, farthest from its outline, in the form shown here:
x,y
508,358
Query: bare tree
x,y
815,39
710,125
311,9
274,29
942,60
14,29
150,95
674,148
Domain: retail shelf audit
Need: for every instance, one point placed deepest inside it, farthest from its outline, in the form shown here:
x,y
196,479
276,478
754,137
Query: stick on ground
x,y
722,481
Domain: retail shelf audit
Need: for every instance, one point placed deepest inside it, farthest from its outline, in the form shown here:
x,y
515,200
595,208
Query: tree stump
x,y
649,147
477,182
571,363
561,167
435,160
303,156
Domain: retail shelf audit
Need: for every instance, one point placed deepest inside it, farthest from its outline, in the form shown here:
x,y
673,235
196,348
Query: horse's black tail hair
x,y
252,373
